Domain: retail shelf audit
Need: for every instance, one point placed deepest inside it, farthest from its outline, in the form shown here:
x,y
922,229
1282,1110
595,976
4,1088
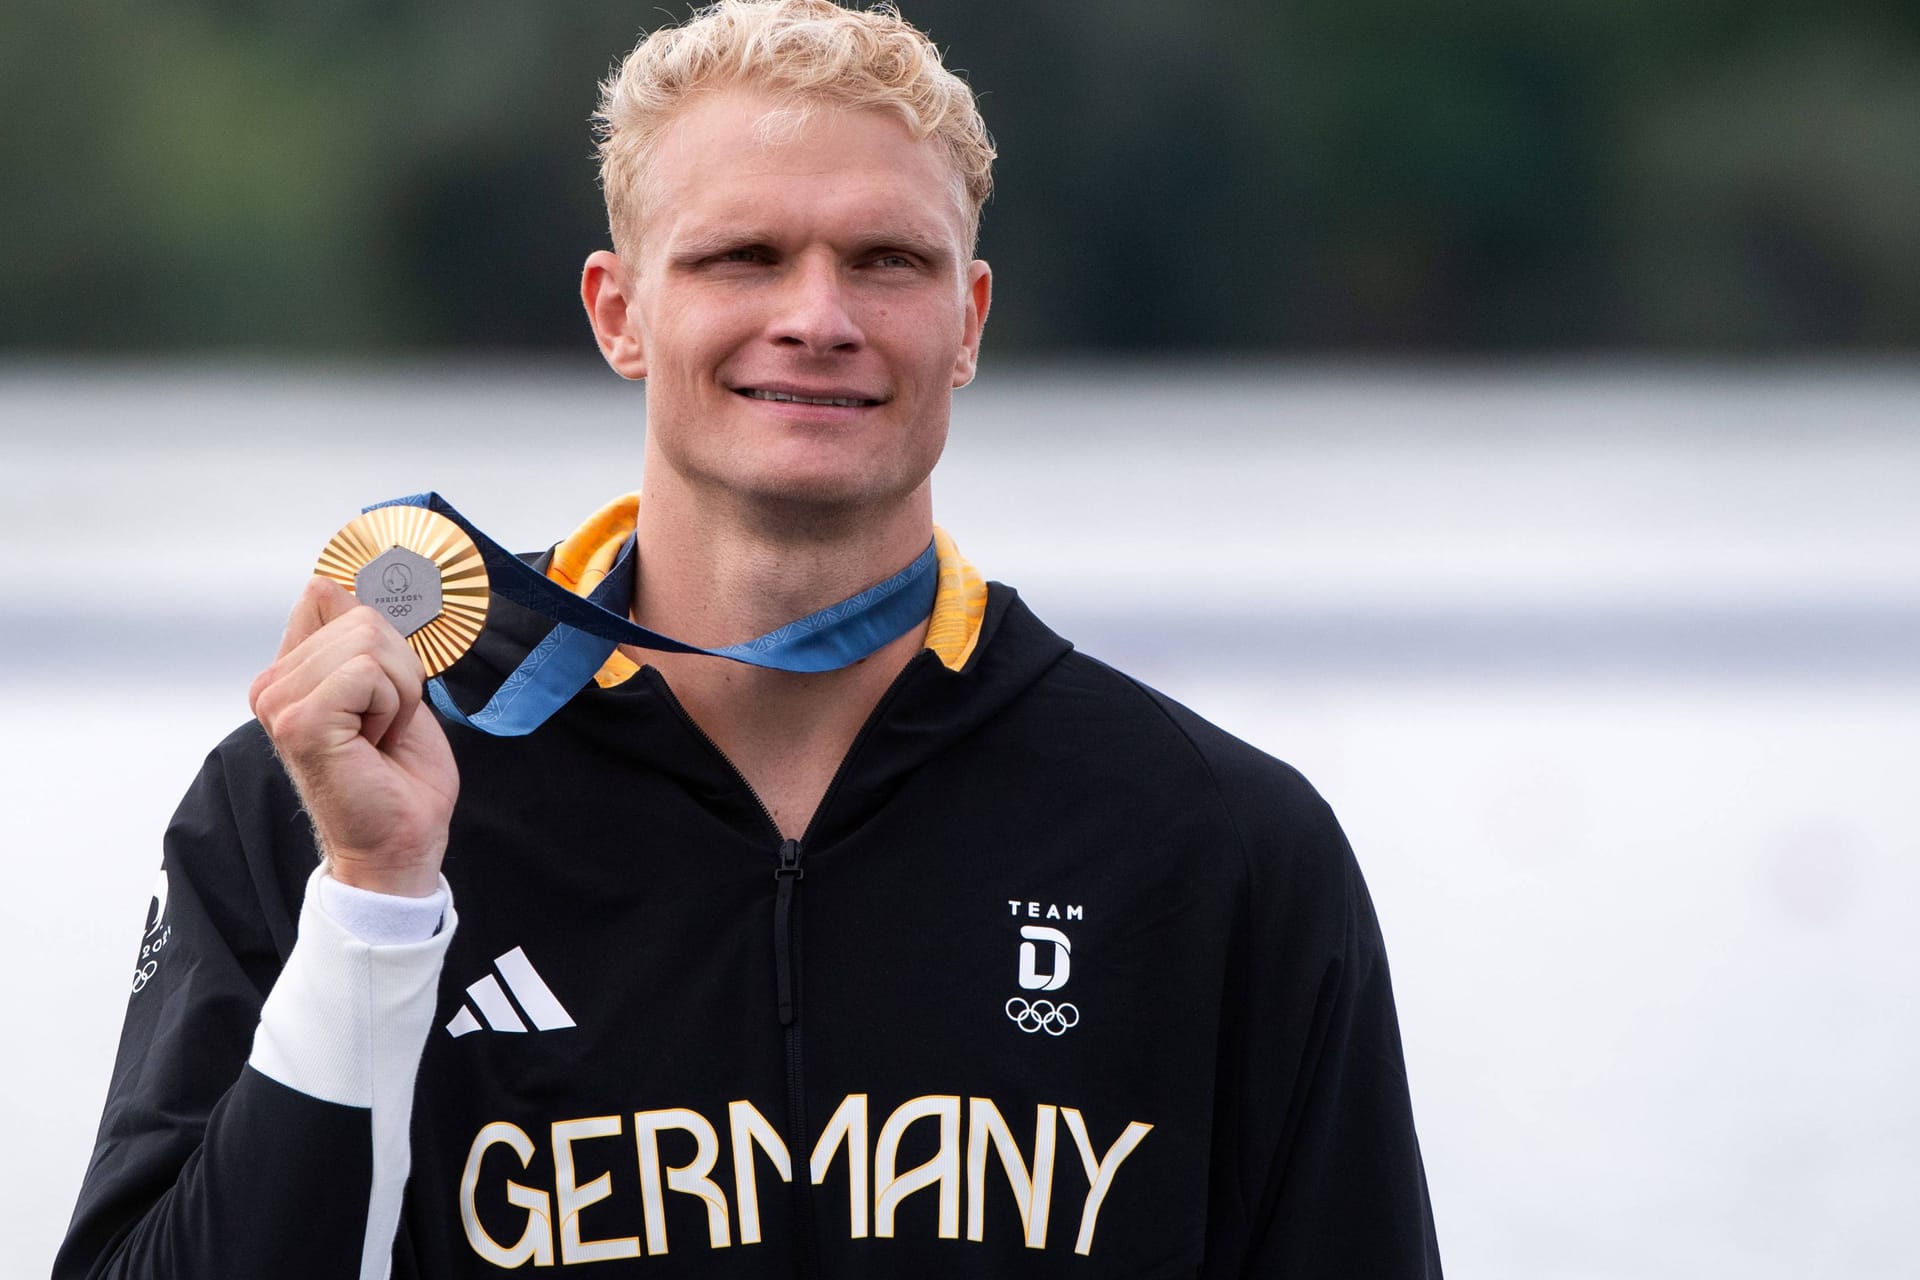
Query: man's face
x,y
774,277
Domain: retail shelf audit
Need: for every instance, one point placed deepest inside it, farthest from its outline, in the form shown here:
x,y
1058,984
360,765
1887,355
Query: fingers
x,y
364,690
321,602
342,670
315,712
340,702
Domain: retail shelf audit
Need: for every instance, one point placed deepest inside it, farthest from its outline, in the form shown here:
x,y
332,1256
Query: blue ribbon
x,y
588,628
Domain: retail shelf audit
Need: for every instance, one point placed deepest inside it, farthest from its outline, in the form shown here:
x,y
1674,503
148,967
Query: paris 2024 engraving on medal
x,y
402,585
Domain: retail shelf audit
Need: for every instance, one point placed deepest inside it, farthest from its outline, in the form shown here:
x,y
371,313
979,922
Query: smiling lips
x,y
844,402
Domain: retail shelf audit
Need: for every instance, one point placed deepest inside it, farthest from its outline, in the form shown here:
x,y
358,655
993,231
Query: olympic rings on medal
x,y
1043,1015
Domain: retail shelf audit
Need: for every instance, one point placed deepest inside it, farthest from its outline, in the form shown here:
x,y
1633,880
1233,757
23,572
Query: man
x,y
971,957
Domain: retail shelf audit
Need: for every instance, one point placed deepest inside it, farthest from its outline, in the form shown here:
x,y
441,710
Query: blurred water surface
x,y
1610,672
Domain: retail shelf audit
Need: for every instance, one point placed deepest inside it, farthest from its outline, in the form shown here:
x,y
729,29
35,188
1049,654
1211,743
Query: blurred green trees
x,y
1230,175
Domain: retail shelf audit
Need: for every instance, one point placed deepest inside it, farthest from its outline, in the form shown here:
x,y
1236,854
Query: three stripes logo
x,y
531,996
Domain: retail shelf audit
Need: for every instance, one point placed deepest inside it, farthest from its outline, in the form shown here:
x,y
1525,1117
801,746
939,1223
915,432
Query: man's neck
x,y
714,580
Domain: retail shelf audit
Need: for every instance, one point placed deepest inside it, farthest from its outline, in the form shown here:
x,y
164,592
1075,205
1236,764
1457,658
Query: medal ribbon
x,y
588,628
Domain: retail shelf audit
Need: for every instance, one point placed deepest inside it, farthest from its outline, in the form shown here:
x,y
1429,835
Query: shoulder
x,y
241,840
1268,816
1074,703
243,783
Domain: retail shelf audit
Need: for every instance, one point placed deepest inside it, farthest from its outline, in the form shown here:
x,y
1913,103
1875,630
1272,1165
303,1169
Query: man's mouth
x,y
844,402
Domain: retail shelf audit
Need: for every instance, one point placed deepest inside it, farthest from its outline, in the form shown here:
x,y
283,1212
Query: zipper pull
x,y
786,877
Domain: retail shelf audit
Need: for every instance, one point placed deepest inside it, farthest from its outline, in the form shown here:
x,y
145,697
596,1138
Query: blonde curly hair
x,y
802,53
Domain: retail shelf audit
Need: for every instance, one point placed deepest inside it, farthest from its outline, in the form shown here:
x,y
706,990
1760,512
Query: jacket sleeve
x,y
257,1118
1349,1193
1315,1120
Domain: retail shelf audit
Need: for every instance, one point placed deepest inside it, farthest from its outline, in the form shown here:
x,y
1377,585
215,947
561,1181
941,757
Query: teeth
x,y
842,401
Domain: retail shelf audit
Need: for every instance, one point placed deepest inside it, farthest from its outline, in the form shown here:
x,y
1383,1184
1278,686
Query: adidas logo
x,y
532,995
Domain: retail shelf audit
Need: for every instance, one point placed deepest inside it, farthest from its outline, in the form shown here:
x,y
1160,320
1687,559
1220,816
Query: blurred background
x,y
1724,177
1515,411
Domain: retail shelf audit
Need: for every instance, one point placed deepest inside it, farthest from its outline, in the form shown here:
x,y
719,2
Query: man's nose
x,y
815,311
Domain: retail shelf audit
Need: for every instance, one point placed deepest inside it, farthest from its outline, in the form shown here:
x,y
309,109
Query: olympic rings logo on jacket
x,y
1043,1015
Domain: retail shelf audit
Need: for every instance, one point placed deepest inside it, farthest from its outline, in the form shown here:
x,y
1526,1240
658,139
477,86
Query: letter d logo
x,y
1030,977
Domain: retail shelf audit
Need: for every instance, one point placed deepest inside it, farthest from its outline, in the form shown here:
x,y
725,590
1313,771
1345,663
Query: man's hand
x,y
342,704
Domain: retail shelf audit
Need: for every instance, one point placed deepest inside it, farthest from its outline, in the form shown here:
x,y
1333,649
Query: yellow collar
x,y
582,559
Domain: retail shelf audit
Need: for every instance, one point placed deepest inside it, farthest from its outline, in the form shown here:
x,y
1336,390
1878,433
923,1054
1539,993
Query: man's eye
x,y
893,260
747,254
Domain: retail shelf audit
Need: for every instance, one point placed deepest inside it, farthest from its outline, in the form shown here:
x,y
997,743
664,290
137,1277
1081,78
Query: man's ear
x,y
604,284
979,296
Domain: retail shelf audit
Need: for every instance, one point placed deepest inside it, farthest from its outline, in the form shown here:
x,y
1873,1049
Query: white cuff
x,y
383,919
346,1014
346,1024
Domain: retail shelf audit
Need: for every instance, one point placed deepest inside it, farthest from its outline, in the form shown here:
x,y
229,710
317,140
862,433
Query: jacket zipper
x,y
787,874
786,961
787,877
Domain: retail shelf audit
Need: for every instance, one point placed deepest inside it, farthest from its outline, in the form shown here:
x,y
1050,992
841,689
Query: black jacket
x,y
1062,980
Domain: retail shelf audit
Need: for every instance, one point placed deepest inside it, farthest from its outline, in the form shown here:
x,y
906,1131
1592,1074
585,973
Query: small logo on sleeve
x,y
159,933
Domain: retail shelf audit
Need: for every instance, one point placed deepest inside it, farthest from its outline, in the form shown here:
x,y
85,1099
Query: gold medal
x,y
420,571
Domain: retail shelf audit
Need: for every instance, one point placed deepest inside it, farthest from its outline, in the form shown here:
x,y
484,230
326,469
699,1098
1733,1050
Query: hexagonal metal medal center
x,y
404,586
